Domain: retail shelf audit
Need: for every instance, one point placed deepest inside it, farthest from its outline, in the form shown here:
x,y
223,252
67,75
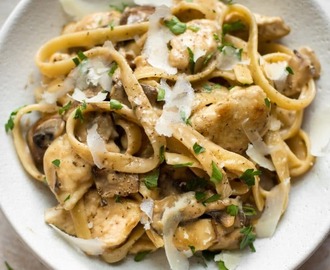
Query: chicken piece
x,y
111,221
305,66
42,134
68,175
93,21
191,234
137,14
110,183
222,122
226,238
200,41
271,28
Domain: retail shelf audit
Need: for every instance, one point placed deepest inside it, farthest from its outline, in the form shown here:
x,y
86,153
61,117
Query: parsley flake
x,y
212,199
112,25
115,104
191,60
113,68
232,27
249,210
162,154
175,25
117,198
194,28
8,266
65,108
267,102
193,249
222,266
216,174
79,111
67,198
182,165
289,70
200,196
232,210
56,163
10,123
151,179
198,149
141,255
195,183
161,94
248,238
248,176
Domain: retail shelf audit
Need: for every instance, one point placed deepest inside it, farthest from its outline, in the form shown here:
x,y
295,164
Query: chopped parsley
x,y
231,27
117,198
141,255
10,123
65,108
212,199
113,68
119,8
248,238
115,104
232,210
248,176
198,149
194,28
80,57
209,87
151,179
267,102
8,266
222,266
289,70
162,154
208,58
161,94
182,165
56,163
79,111
216,37
193,249
191,60
112,25
67,198
195,184
229,49
175,25
249,210
216,174
201,197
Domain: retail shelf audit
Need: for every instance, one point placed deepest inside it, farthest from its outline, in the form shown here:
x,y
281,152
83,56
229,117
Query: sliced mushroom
x,y
42,134
138,14
110,183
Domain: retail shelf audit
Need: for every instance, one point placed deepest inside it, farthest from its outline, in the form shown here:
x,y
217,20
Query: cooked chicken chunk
x,y
111,221
137,14
68,175
198,37
222,122
271,28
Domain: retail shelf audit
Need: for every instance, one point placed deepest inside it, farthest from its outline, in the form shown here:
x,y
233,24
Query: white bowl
x,y
303,227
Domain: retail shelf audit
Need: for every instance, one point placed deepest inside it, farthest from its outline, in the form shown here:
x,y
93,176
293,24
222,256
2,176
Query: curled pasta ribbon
x,y
144,113
256,71
20,143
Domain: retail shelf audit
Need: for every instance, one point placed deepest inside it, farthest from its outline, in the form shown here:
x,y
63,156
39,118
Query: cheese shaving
x,y
154,3
228,58
231,259
147,206
276,202
277,73
96,145
178,105
80,96
90,246
155,49
259,158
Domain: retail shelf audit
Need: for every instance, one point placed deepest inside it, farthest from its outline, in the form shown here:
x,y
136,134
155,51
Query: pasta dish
x,y
174,125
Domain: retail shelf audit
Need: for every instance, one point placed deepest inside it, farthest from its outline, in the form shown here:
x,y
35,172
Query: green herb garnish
x,y
195,184
194,28
193,249
182,165
222,266
141,255
65,108
232,210
289,70
200,196
248,238
56,163
198,149
8,266
10,123
117,198
267,102
113,68
175,25
248,176
67,198
115,104
212,199
216,174
151,179
79,111
162,154
161,94
231,27
191,60
249,210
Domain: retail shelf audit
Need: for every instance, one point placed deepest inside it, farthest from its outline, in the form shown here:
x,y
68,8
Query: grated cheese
x,y
96,145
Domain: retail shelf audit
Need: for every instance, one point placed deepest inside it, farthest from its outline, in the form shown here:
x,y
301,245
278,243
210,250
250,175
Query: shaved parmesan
x,y
276,202
198,53
228,58
96,145
171,219
155,49
259,158
147,206
277,73
231,259
90,246
80,96
178,105
154,3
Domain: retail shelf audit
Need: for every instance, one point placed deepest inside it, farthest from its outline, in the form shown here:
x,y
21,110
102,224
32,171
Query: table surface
x,y
18,255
